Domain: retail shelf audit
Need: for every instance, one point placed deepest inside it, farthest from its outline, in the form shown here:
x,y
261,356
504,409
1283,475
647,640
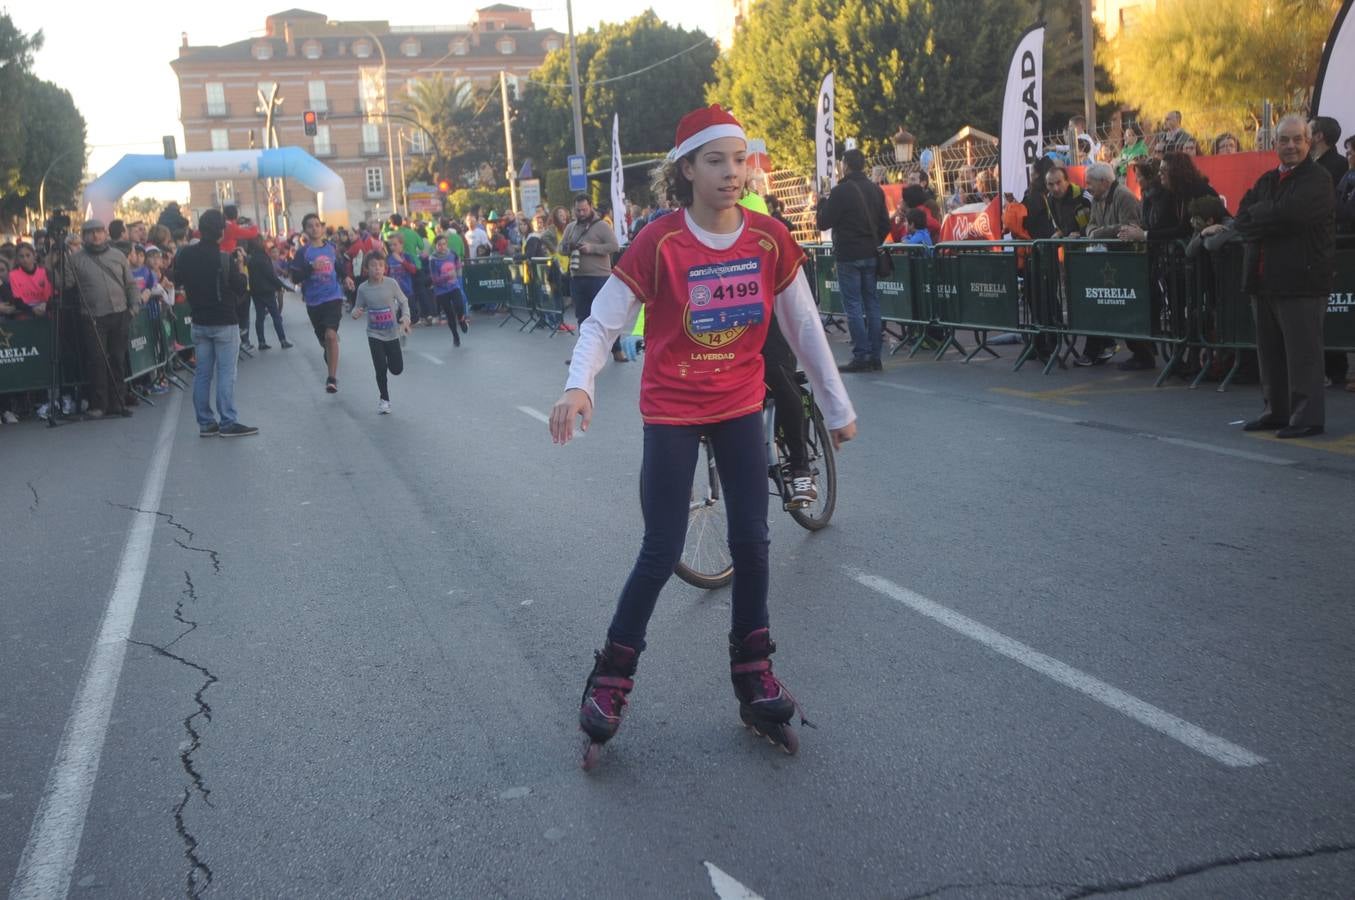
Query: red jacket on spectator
x,y
235,233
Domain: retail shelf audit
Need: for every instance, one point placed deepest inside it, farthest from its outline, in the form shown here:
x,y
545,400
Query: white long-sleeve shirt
x,y
616,308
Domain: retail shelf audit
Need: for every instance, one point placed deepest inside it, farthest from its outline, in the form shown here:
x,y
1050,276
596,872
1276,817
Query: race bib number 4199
x,y
724,297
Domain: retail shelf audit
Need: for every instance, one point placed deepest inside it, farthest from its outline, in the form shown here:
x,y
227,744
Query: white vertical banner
x,y
1022,140
618,184
1330,98
825,173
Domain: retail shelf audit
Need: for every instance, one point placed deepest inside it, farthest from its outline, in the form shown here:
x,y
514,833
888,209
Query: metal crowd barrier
x,y
489,282
981,287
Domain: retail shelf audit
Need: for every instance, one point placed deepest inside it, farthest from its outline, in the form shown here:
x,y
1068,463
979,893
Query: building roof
x,y
501,8
433,44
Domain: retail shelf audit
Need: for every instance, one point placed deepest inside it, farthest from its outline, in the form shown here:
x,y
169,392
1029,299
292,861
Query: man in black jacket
x,y
1326,137
1288,221
856,213
212,280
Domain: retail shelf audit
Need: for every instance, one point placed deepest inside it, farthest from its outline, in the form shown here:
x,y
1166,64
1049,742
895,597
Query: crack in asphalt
x,y
33,507
1080,891
199,873
169,518
1187,871
188,593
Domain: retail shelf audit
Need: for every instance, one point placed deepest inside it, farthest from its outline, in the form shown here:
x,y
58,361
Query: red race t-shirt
x,y
706,316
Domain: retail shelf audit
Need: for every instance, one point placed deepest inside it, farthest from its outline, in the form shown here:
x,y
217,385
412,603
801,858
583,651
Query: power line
x,y
566,85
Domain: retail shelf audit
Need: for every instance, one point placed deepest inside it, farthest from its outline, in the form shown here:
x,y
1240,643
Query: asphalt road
x,y
1067,636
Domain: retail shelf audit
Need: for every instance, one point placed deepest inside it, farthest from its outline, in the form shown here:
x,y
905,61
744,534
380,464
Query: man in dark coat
x,y
857,214
1288,222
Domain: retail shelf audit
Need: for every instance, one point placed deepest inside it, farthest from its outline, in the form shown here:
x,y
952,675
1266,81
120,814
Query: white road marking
x,y
1177,729
1224,451
539,416
431,358
903,387
726,888
54,841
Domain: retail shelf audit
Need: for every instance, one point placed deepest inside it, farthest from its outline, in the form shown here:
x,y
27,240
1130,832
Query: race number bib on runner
x,y
724,296
381,318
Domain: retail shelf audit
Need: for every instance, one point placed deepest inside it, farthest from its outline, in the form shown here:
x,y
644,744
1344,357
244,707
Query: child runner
x,y
401,268
315,268
444,268
387,310
709,279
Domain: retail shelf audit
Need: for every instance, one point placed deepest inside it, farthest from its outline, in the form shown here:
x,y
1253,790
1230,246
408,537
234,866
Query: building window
x,y
372,90
220,139
225,193
319,103
459,47
371,138
263,50
410,47
322,145
507,46
376,183
550,45
362,49
216,98
418,142
311,49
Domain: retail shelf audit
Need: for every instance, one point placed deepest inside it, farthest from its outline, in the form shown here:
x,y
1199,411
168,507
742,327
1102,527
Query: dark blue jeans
x,y
860,302
666,474
582,290
266,305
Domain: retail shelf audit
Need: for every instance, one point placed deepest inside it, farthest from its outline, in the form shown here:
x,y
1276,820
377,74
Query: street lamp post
x,y
386,91
903,146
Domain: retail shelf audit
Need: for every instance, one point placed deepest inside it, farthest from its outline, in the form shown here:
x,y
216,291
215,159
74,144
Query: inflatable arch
x,y
101,195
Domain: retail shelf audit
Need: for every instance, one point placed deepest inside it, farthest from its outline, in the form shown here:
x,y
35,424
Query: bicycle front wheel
x,y
815,516
706,562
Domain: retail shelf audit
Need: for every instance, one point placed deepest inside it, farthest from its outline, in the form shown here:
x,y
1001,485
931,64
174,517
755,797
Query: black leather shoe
x,y
1299,431
1265,425
856,365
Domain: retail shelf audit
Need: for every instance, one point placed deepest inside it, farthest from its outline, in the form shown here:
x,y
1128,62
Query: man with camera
x,y
108,295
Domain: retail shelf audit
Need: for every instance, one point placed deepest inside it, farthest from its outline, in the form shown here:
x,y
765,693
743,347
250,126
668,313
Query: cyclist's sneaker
x,y
383,407
802,487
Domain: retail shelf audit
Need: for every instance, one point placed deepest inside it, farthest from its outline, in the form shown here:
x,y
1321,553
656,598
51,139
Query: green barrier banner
x,y
488,283
825,272
939,277
141,345
1339,327
183,324
25,355
989,291
898,298
1109,293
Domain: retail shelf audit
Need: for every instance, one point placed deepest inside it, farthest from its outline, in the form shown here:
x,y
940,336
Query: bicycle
x,y
705,561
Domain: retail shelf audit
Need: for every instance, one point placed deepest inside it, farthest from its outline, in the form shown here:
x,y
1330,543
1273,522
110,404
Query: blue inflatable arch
x,y
102,194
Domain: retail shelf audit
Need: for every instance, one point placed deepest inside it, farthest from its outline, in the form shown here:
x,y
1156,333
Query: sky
x,y
118,70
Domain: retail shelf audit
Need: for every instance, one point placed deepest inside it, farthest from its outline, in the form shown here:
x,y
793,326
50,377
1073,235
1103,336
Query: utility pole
x,y
1088,71
574,82
508,141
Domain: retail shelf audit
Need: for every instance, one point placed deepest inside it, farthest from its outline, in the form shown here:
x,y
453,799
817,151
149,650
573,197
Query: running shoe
x,y
465,324
331,385
383,407
9,418
1084,360
287,345
238,429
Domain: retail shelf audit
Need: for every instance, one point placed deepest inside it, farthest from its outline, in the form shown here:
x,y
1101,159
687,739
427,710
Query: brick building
x,y
343,71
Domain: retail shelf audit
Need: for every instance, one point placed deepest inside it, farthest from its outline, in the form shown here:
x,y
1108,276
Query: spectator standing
x,y
856,212
1225,143
174,220
589,242
211,280
1288,219
264,289
1175,136
1345,193
1134,148
30,289
1326,135
108,295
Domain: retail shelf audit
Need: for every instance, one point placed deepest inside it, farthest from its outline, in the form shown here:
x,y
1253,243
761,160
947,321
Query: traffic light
x,y
444,185
308,118
171,151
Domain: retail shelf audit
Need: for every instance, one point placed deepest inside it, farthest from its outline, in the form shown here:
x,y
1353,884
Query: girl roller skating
x,y
709,279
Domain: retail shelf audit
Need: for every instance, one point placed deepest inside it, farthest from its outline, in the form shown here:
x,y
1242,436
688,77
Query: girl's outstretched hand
x,y
573,403
843,435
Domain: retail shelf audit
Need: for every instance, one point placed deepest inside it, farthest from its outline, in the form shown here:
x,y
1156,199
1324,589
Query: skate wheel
x,y
592,754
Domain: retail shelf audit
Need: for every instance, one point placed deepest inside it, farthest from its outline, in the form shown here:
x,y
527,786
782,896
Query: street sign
x,y
531,194
578,174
